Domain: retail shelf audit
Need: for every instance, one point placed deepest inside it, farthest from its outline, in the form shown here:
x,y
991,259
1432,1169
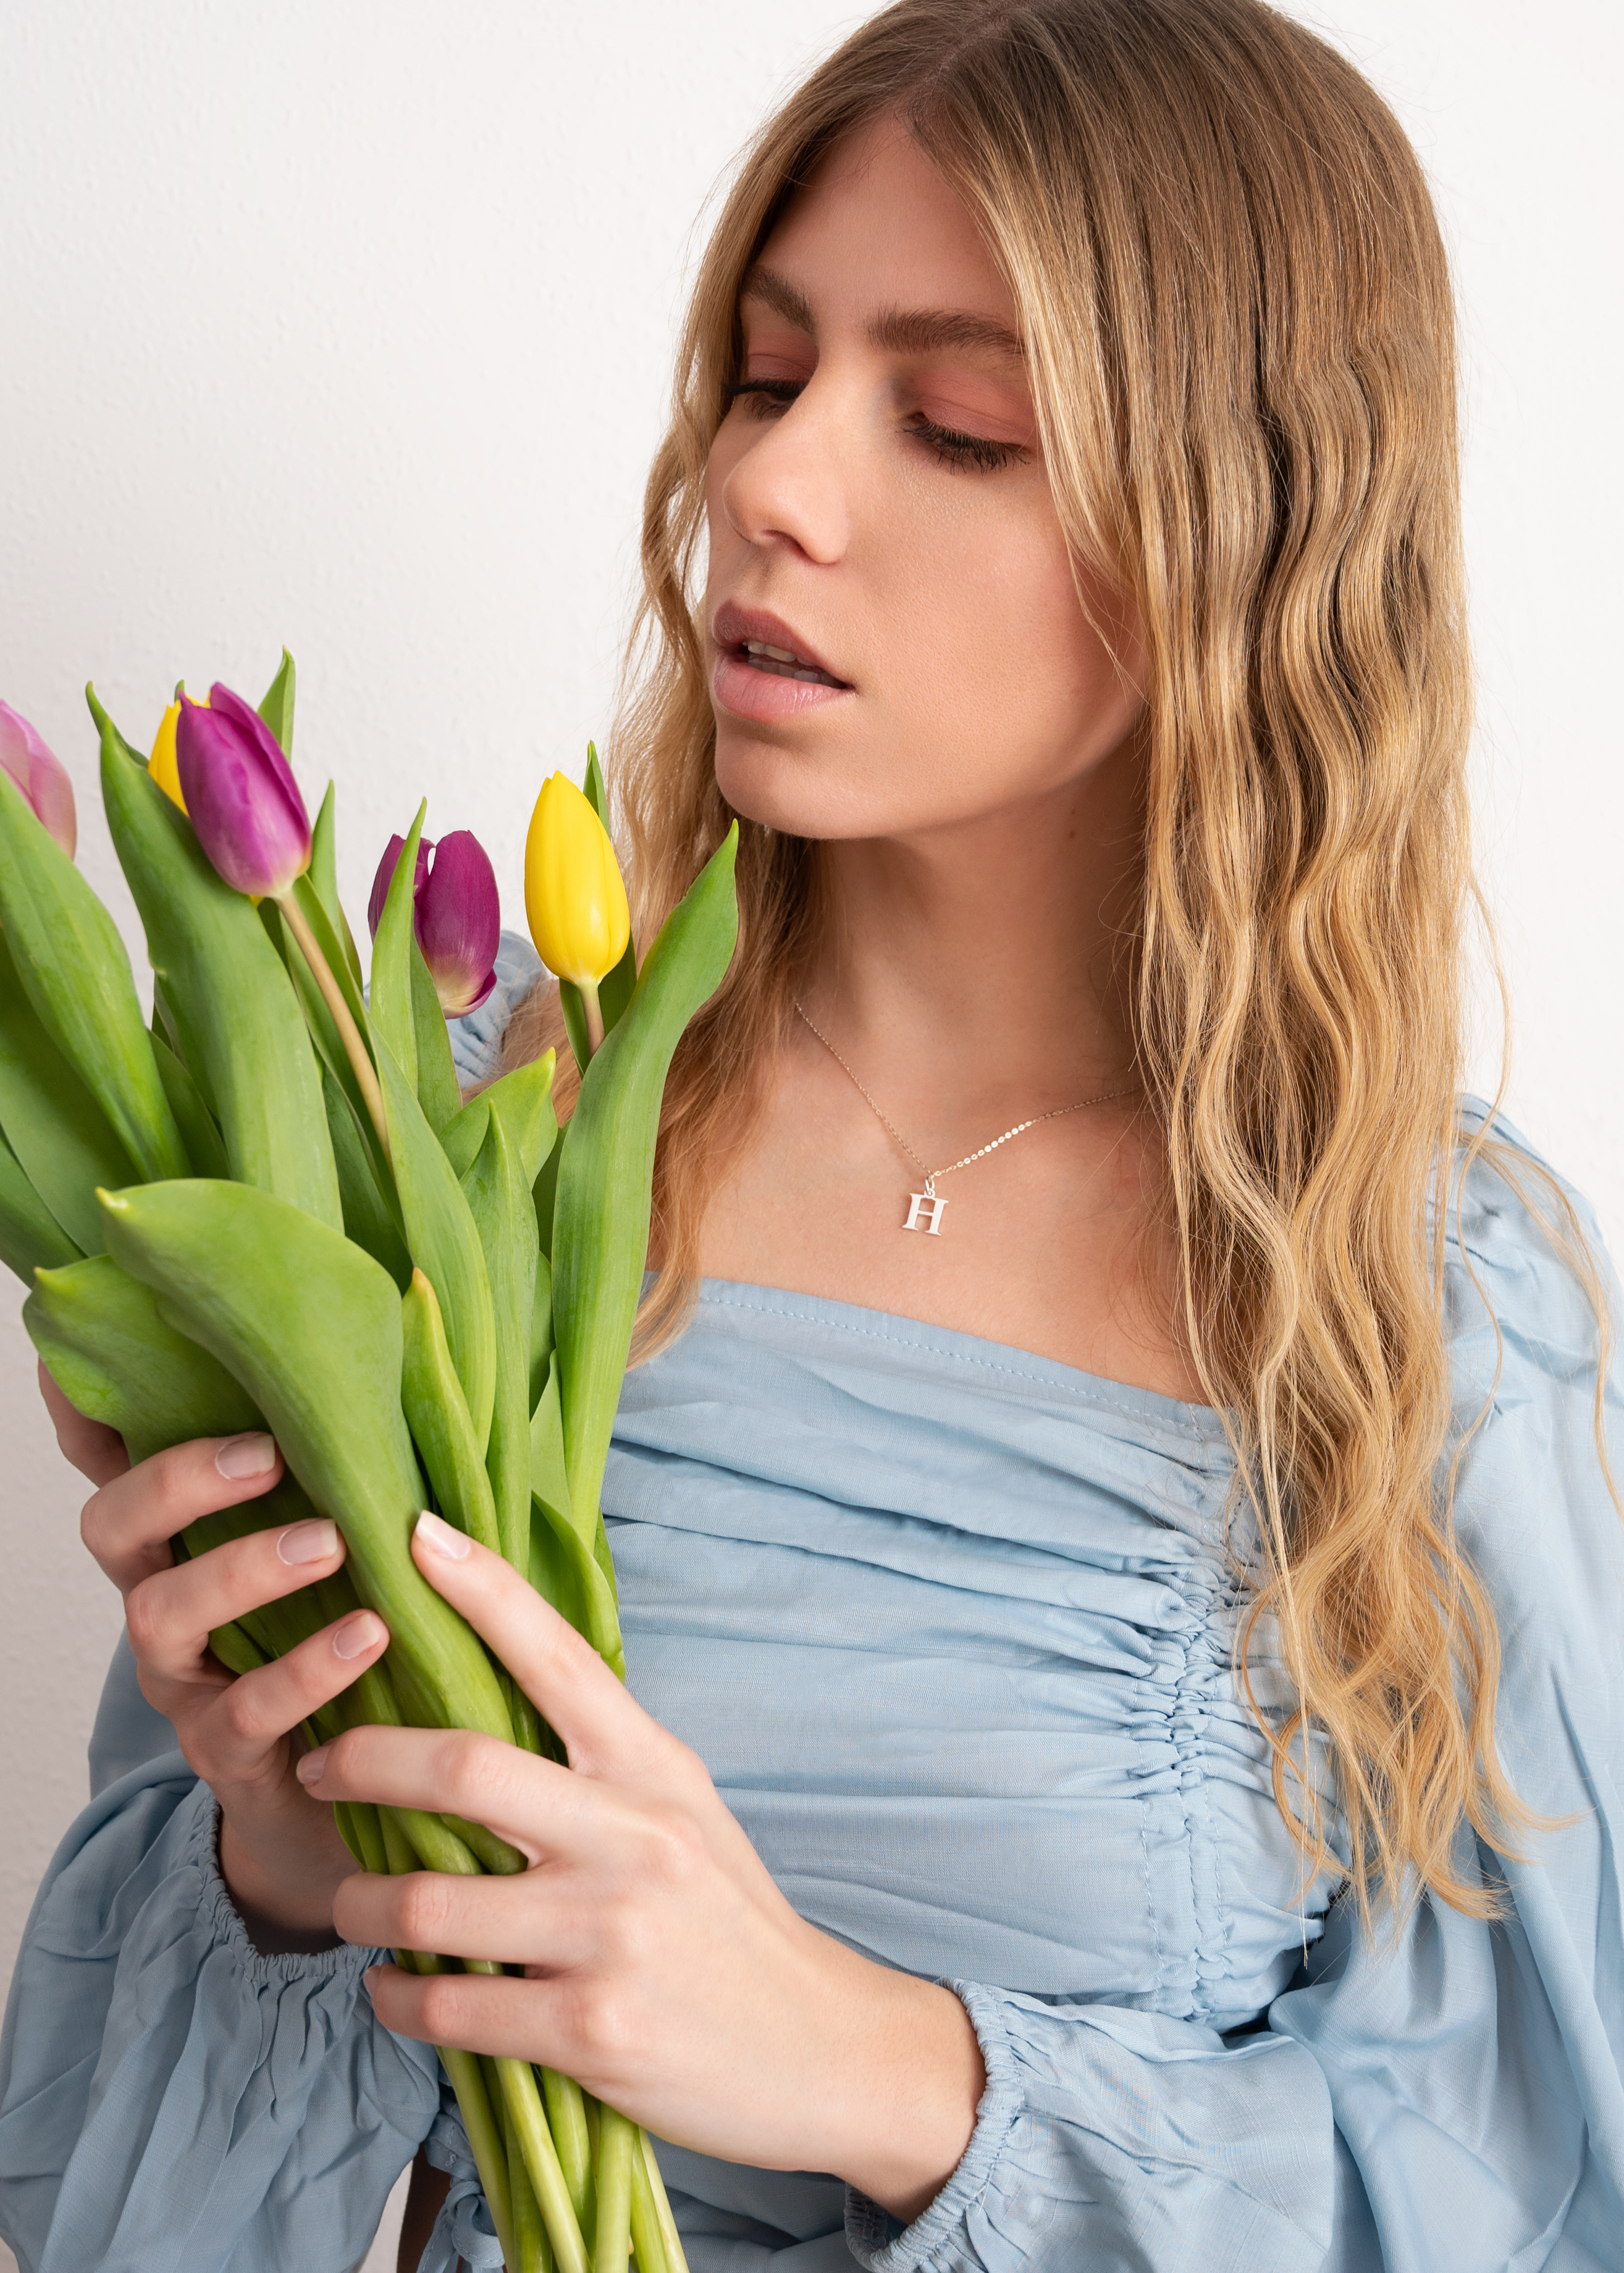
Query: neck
x,y
988,956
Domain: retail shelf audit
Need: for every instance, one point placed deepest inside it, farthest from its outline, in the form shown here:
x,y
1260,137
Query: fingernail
x,y
241,1457
308,1543
441,1539
309,1769
359,1633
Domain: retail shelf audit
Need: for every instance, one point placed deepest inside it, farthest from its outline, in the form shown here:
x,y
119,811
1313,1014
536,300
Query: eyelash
x,y
954,450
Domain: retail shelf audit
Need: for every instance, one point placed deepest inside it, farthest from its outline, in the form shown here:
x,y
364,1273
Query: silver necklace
x,y
929,1203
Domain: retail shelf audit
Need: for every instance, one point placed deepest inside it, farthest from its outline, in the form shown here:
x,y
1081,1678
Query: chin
x,y
789,791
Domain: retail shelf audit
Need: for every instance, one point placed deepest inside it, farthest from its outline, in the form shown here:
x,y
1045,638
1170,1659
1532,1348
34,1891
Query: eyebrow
x,y
903,331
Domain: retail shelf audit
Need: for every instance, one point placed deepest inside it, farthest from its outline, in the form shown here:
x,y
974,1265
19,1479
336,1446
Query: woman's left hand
x,y
662,1969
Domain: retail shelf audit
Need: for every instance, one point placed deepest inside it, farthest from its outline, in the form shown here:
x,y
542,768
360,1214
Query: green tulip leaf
x,y
310,1327
498,1198
541,1329
441,1239
440,1093
330,938
437,1415
64,1142
320,1019
392,1019
116,1361
562,1564
205,1147
31,1238
72,965
276,710
600,1229
543,1193
323,874
523,1099
240,1031
366,1189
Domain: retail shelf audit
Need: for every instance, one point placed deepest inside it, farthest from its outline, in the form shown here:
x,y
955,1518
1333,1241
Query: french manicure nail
x,y
441,1539
308,1543
242,1457
358,1633
309,1769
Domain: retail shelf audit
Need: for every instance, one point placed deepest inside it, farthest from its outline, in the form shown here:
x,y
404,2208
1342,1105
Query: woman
x,y
1121,1762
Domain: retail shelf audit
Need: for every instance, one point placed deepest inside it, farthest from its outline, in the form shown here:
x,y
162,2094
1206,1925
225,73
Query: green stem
x,y
674,2258
486,2136
530,2237
349,1032
567,2115
617,2141
648,2239
541,2163
591,1012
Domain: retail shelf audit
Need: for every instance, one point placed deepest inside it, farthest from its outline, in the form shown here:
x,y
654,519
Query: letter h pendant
x,y
924,1203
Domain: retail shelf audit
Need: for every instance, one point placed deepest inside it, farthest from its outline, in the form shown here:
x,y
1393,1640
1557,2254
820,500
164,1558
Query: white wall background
x,y
349,326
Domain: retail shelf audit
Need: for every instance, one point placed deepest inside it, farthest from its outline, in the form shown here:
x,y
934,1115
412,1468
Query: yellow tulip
x,y
162,765
572,893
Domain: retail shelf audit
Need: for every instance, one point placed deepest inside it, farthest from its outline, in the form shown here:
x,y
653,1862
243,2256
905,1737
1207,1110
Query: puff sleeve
x,y
169,2096
1447,2101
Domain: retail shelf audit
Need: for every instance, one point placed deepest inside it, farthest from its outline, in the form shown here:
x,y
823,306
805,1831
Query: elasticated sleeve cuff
x,y
169,2096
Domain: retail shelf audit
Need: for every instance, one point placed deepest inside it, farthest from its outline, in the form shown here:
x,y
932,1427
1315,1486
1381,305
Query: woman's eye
x,y
961,452
763,396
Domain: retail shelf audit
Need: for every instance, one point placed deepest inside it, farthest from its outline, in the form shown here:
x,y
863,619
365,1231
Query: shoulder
x,y
1532,1504
1528,1274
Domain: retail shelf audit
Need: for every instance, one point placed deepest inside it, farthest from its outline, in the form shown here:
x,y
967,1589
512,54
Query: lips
x,y
758,641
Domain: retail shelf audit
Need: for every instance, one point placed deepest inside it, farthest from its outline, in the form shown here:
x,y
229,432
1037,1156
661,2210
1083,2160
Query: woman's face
x,y
880,516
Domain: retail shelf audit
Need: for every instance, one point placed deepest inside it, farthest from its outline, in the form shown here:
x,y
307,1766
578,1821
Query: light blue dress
x,y
951,1626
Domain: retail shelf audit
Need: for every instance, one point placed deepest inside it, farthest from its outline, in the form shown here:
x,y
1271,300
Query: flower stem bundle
x,y
272,1209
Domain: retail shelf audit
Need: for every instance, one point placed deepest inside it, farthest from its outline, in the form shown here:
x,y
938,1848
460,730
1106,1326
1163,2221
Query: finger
x,y
96,1451
538,1807
605,1731
172,1614
129,1523
501,2014
253,1714
465,1917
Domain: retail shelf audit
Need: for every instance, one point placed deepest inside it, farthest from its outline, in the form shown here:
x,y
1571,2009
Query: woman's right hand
x,y
280,1851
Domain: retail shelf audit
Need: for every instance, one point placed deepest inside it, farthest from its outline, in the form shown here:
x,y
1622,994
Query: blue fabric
x,y
951,1626
477,1040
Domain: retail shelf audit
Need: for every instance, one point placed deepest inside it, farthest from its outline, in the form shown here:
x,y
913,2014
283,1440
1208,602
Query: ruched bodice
x,y
952,1628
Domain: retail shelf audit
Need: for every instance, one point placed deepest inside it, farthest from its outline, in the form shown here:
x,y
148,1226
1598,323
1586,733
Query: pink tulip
x,y
240,794
456,913
41,777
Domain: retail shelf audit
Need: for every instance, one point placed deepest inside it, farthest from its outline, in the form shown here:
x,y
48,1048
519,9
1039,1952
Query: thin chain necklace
x,y
925,1208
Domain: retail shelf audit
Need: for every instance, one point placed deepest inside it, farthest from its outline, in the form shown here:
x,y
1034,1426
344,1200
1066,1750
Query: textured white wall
x,y
350,327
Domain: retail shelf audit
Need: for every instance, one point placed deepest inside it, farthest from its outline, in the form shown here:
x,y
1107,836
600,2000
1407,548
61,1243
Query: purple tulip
x,y
41,777
385,877
241,795
455,914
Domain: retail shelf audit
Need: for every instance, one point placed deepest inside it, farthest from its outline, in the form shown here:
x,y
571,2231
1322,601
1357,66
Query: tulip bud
x,y
41,777
455,914
162,765
385,877
573,893
240,793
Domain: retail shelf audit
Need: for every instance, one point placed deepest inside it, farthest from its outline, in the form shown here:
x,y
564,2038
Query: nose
x,y
788,488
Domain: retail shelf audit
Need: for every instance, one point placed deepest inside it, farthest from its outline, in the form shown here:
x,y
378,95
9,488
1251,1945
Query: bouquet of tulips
x,y
272,1209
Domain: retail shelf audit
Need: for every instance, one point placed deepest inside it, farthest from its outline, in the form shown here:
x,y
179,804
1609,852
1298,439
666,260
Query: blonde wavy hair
x,y
1239,334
